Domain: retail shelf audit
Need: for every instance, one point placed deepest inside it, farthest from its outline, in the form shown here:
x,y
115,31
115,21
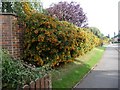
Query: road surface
x,y
105,74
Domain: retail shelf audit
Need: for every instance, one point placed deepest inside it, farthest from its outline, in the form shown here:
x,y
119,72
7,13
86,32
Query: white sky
x,y
102,14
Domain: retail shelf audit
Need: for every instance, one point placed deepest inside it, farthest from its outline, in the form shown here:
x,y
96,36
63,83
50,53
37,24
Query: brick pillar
x,y
12,35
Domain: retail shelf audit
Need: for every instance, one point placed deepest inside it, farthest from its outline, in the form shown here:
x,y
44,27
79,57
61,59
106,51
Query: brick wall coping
x,y
13,14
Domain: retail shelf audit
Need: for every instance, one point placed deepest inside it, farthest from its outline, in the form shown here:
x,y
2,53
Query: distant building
x,y
116,38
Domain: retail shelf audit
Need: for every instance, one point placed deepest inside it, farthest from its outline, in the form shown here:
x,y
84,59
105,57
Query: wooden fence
x,y
39,84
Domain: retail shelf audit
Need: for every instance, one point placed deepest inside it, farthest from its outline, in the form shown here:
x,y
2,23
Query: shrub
x,y
46,40
14,73
49,41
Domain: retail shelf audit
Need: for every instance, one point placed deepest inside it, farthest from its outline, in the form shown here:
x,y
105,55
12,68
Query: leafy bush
x,y
14,73
49,41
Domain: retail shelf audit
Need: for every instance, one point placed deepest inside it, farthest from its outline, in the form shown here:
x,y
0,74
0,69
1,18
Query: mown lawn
x,y
70,74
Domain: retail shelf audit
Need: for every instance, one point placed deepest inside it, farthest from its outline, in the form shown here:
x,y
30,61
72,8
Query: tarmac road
x,y
105,74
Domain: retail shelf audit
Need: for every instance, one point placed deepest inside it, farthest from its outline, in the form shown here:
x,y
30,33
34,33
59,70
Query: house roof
x,y
117,36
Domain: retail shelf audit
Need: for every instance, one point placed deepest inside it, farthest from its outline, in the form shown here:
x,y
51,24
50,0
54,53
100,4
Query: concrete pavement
x,y
105,74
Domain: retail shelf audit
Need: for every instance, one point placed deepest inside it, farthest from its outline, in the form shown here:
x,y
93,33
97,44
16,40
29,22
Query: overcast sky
x,y
102,14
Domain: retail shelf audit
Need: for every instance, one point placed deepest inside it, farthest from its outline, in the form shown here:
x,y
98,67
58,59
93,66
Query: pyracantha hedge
x,y
48,40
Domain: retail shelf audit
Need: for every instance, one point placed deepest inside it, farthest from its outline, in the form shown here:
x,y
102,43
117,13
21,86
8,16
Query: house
x,y
116,38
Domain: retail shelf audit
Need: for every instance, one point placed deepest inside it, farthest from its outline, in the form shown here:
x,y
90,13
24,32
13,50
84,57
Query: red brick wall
x,y
12,35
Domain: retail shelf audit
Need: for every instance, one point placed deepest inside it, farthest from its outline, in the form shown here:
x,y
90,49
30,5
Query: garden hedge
x,y
49,41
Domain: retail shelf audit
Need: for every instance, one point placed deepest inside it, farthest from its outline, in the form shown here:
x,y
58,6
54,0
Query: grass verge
x,y
70,74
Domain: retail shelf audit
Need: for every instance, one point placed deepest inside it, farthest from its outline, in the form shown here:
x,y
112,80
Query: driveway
x,y
105,74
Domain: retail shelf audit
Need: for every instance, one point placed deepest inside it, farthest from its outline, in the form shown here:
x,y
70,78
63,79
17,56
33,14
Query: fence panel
x,y
39,84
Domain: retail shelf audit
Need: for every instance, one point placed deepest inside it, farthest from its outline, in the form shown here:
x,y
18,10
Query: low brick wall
x,y
12,35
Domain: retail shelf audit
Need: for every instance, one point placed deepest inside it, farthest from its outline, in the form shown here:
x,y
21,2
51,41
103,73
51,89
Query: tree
x,y
16,7
37,5
71,12
114,34
96,32
108,36
7,7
